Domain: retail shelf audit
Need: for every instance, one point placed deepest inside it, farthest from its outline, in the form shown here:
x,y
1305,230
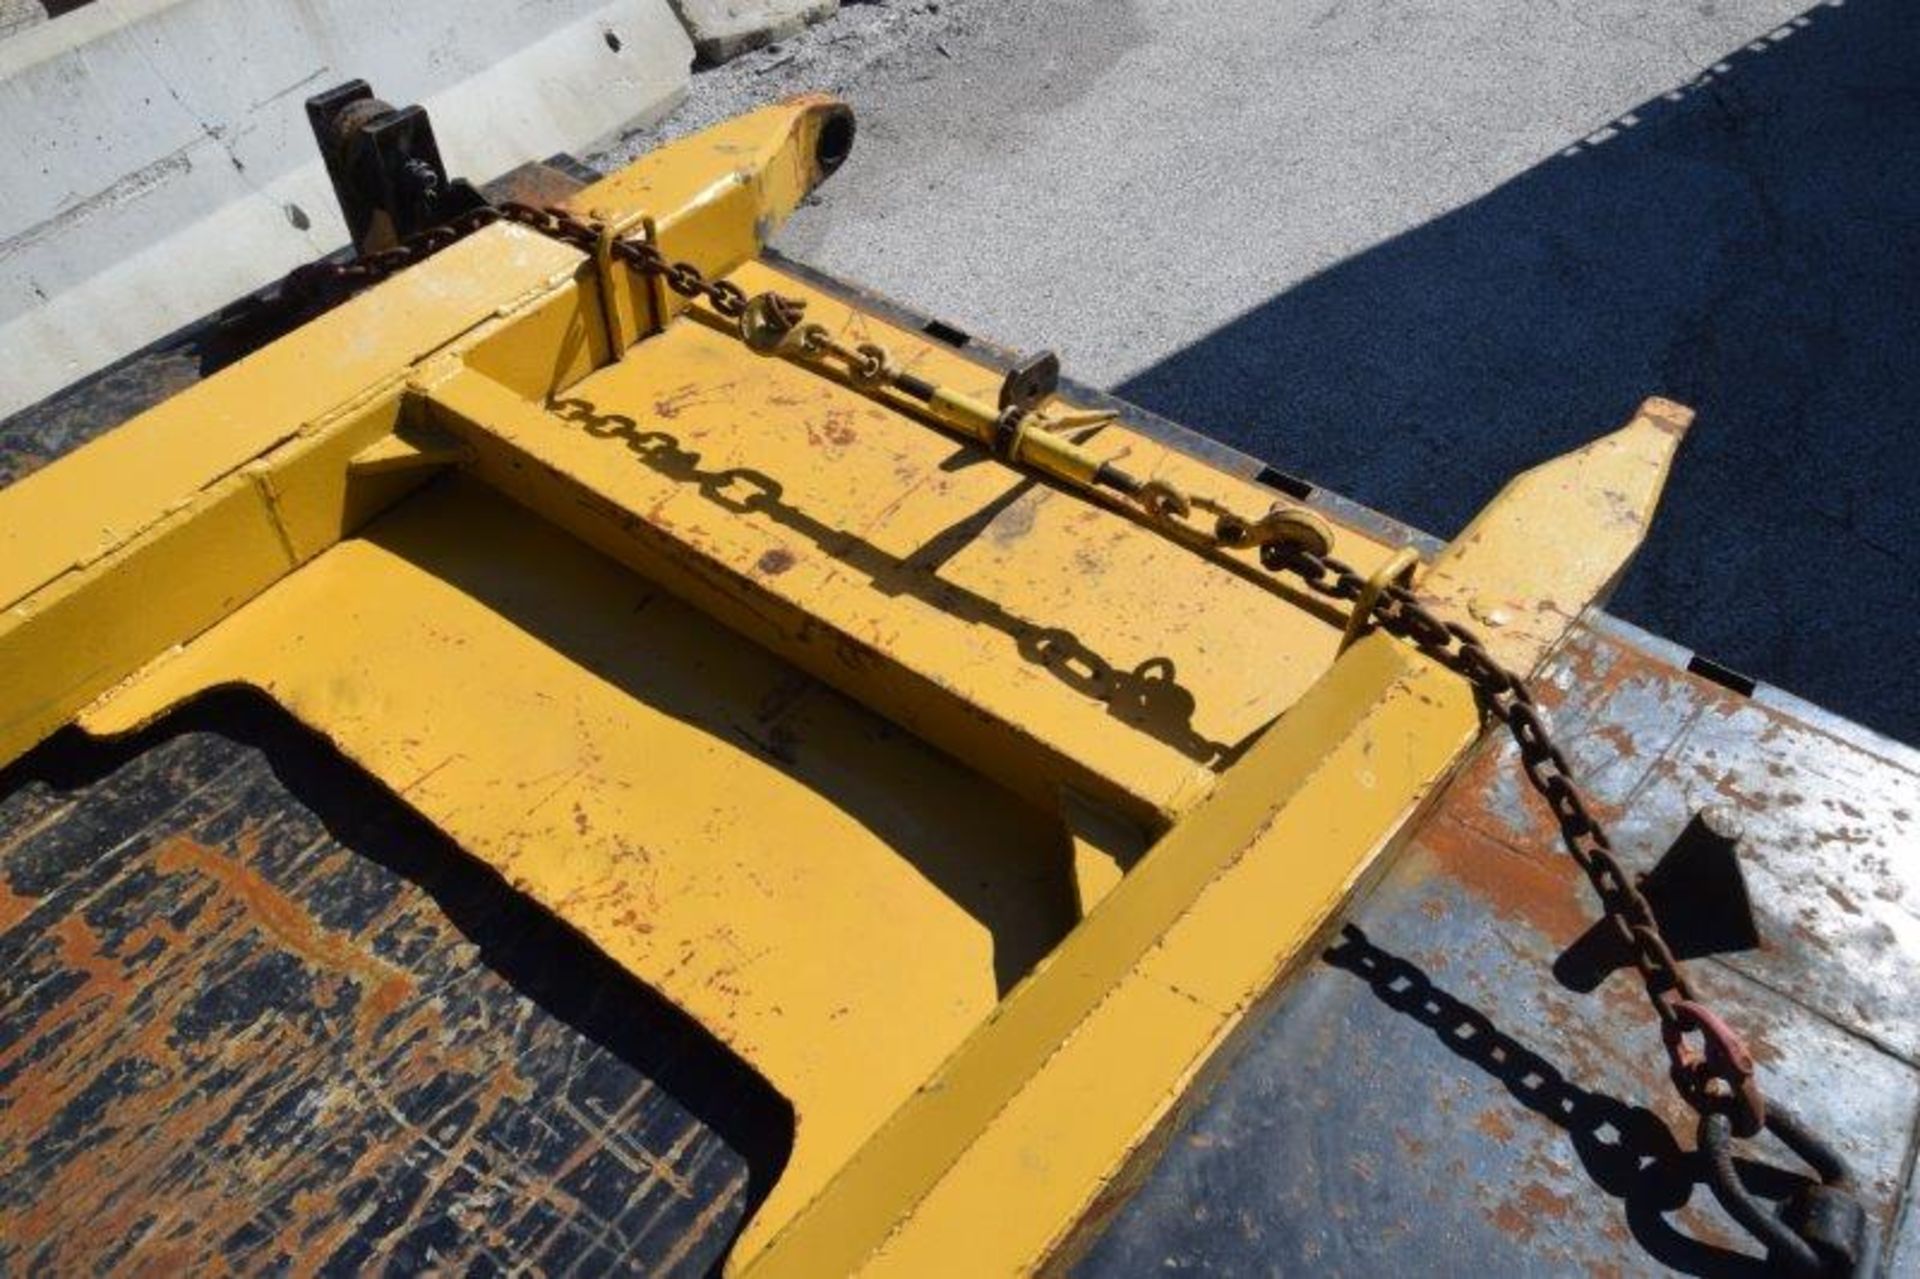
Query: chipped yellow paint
x,y
1042,1108
636,737
145,536
836,903
1007,621
1556,539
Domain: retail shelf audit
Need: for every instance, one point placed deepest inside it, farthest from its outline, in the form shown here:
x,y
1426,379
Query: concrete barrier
x,y
18,15
723,29
155,158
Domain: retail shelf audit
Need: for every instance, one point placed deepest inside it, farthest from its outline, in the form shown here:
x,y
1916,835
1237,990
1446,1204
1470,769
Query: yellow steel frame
x,y
572,572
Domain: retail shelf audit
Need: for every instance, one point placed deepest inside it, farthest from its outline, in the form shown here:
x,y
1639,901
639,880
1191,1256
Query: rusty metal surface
x,y
260,1018
1833,831
1369,1128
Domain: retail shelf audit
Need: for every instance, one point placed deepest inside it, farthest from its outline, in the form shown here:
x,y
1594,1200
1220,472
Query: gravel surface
x,y
864,45
1406,249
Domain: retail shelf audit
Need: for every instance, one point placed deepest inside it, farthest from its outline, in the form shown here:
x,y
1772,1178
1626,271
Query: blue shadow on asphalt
x,y
1748,244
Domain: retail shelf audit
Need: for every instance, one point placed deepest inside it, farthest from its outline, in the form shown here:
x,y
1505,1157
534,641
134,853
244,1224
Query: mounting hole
x,y
836,140
298,217
1292,485
1725,676
941,331
613,41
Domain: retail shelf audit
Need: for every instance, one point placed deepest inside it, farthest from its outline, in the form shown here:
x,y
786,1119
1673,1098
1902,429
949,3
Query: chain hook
x,y
769,322
1291,525
1163,501
1822,1231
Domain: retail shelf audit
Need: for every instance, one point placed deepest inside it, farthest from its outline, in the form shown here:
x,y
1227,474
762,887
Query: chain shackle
x,y
1822,1231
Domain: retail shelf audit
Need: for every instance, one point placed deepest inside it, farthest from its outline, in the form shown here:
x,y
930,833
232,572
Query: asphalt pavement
x,y
1406,249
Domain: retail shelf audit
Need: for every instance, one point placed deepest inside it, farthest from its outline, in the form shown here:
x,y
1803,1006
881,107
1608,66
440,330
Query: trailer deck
x,y
261,1015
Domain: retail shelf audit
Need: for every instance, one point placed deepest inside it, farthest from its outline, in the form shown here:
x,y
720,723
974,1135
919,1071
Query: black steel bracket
x,y
1698,895
385,167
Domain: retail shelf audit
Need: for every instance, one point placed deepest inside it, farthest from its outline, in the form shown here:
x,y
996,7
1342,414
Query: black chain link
x,y
326,283
322,284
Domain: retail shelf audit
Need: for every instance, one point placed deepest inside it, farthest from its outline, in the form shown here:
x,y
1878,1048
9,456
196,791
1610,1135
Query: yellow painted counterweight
x,y
971,793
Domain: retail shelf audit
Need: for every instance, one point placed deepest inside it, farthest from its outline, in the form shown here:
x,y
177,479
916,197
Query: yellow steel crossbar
x,y
648,655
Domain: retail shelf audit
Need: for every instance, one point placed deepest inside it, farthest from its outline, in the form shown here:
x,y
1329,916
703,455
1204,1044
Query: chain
x,y
323,283
684,278
771,323
1715,1076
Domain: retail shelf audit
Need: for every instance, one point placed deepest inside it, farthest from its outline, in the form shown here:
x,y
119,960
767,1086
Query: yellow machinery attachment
x,y
932,755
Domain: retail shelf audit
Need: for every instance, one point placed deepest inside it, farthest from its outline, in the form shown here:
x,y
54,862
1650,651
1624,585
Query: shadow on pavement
x,y
1748,244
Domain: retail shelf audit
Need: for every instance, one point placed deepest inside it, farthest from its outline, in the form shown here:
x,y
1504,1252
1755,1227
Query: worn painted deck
x,y
258,1017
1435,1097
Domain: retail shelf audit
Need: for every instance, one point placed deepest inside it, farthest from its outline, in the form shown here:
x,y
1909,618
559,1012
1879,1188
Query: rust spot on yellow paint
x,y
832,429
672,405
